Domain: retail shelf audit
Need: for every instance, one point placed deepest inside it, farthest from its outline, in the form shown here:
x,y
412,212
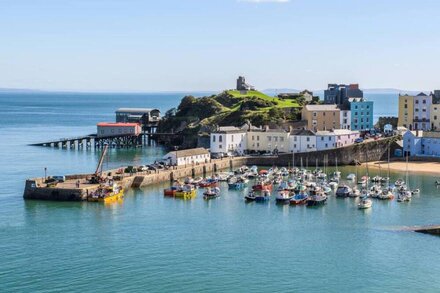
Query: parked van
x,y
59,178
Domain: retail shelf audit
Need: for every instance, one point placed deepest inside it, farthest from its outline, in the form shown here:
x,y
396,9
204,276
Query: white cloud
x,y
265,1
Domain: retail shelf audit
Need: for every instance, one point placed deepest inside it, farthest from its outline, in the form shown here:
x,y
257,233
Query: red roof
x,y
119,124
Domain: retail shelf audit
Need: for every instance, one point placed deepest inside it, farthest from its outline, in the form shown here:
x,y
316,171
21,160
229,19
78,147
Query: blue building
x,y
361,114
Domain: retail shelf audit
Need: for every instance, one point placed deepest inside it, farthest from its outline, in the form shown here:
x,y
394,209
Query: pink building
x,y
345,137
109,129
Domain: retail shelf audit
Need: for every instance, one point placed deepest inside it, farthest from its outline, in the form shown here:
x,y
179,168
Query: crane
x,y
96,178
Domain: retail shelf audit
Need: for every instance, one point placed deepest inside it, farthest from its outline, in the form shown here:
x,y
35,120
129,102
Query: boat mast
x,y
407,178
388,167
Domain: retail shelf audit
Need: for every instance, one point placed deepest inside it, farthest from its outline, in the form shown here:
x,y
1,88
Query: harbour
x,y
151,233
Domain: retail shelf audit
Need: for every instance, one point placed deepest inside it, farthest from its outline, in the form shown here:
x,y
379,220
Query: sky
x,y
202,45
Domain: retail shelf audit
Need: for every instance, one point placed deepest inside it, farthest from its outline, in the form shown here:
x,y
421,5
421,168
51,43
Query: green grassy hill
x,y
228,108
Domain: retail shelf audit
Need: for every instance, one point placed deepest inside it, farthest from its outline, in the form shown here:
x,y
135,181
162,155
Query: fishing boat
x,y
376,179
262,185
316,200
170,191
437,182
262,196
343,191
365,203
283,196
107,193
238,183
299,199
211,193
209,182
186,191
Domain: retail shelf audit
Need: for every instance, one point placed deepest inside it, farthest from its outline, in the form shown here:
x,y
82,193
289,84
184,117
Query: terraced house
x,y
361,114
415,111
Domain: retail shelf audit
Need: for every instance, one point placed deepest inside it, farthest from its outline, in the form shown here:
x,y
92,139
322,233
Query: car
x,y
143,168
359,140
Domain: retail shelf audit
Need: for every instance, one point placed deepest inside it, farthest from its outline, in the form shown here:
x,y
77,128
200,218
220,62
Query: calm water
x,y
152,243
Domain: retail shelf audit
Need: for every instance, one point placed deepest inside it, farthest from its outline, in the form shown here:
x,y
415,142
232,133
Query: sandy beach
x,y
416,166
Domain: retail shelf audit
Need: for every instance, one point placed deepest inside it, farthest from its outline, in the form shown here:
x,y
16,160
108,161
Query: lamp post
x,y
45,173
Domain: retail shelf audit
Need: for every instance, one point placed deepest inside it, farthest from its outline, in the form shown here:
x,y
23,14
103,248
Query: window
x,y
308,138
220,146
294,145
220,138
276,138
232,139
281,138
356,107
213,138
258,137
322,138
417,101
269,138
406,106
314,114
258,144
294,138
253,137
424,101
326,145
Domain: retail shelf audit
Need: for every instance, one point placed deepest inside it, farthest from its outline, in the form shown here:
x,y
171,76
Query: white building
x,y
345,119
301,141
109,129
188,157
229,139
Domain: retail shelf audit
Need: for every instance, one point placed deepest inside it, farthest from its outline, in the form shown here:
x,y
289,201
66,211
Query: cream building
x,y
268,140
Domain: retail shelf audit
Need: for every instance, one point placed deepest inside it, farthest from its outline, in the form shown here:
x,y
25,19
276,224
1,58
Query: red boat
x,y
170,191
265,185
209,183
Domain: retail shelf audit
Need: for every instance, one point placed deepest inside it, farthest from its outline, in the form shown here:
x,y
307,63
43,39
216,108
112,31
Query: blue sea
x,y
149,243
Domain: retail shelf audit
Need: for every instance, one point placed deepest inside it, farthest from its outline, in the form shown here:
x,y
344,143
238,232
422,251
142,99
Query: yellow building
x,y
322,117
435,117
268,140
406,111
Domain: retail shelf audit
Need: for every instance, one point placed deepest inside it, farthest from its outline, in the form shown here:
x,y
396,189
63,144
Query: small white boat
x,y
365,203
351,177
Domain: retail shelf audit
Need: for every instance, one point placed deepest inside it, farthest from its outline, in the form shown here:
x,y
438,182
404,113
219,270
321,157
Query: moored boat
x,y
107,193
186,191
343,191
283,196
365,203
211,193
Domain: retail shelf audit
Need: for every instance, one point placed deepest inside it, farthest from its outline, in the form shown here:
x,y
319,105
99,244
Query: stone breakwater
x,y
70,190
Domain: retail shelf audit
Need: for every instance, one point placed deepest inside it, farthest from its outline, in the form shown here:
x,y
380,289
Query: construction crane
x,y
96,178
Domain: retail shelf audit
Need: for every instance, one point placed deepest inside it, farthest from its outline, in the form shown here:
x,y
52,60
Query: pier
x,y
70,190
